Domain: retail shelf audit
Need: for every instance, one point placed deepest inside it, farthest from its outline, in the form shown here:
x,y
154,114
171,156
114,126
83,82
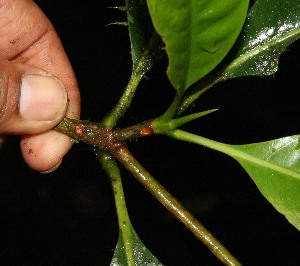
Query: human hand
x,y
37,84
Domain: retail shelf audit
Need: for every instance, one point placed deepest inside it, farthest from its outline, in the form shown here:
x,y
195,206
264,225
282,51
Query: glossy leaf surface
x,y
270,27
142,255
273,165
275,168
197,34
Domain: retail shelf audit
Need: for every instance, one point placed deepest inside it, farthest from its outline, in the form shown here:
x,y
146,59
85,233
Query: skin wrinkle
x,y
39,49
10,78
7,97
20,57
3,100
30,44
46,61
16,23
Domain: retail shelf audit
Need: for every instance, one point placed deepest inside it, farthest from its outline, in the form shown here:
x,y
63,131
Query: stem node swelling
x,y
106,139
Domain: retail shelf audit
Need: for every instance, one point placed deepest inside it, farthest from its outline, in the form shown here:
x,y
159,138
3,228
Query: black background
x,y
68,217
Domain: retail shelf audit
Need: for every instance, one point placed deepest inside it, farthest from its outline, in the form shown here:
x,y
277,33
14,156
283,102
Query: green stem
x,y
112,170
199,88
102,137
196,139
138,72
124,103
231,150
212,144
160,193
171,111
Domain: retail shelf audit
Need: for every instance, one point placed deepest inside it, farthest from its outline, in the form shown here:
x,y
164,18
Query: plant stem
x,y
103,138
110,166
196,139
198,89
138,72
119,110
232,150
171,111
166,199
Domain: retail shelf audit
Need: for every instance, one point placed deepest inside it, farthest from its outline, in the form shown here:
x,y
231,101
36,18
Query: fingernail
x,y
53,168
43,98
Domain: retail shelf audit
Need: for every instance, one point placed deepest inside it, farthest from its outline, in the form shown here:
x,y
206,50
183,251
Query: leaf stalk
x,y
140,69
167,200
111,168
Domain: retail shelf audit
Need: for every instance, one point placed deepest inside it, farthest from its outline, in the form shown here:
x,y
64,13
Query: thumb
x,y
31,100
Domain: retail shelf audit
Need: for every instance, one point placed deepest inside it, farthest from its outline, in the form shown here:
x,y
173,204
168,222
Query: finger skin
x,y
28,37
11,122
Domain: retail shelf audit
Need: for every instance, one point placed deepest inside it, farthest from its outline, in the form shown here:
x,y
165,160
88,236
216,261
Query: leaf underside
x,y
142,256
197,34
140,28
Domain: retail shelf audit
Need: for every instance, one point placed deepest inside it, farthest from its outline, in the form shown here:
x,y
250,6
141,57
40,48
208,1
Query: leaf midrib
x,y
259,49
233,152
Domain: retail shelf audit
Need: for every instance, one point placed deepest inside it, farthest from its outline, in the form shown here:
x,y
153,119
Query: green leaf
x,y
271,26
140,28
274,166
142,256
197,34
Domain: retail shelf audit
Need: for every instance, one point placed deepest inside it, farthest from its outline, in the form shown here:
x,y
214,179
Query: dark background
x,y
68,217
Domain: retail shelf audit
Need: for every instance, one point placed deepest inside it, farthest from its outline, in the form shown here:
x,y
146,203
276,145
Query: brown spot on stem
x,y
79,129
146,131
